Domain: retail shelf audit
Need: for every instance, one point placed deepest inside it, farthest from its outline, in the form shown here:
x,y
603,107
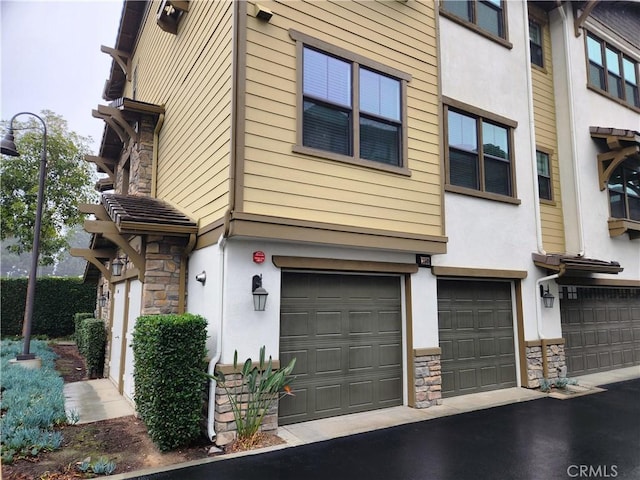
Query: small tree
x,y
260,387
69,182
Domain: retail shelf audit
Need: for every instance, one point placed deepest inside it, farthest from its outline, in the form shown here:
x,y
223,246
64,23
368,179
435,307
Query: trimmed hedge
x,y
93,338
78,320
169,373
57,300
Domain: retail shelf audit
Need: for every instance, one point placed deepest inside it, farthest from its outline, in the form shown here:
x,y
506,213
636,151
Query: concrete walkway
x,y
94,401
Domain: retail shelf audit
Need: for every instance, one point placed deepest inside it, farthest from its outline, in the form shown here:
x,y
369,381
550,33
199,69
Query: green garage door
x,y
475,324
345,332
601,327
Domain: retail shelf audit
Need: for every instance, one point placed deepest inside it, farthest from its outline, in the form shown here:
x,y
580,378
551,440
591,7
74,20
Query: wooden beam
x,y
93,256
123,59
116,116
106,164
583,16
109,231
616,158
109,121
94,209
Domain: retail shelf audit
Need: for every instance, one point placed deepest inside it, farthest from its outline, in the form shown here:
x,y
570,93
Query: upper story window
x,y
479,155
535,43
624,191
612,71
545,190
486,15
351,109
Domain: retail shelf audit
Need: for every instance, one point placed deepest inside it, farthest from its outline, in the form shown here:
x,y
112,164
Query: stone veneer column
x,y
160,291
427,377
556,362
141,160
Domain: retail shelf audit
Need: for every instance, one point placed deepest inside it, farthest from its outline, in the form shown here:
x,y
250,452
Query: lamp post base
x,y
31,362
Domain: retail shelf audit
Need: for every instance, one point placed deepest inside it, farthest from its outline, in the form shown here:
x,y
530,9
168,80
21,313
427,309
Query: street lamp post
x,y
9,148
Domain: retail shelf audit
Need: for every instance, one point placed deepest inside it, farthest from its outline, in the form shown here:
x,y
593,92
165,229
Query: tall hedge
x,y
169,354
57,300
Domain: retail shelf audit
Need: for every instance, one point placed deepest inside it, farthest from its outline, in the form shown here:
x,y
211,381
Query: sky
x,y
50,59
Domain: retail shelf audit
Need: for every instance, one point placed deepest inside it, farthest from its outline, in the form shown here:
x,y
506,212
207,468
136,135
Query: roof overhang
x,y
119,217
574,265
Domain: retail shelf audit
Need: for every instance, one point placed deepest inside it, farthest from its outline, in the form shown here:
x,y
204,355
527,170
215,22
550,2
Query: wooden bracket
x,y
106,164
123,59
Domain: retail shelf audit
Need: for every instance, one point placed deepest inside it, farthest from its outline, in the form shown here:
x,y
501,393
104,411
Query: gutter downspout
x,y
154,161
211,432
532,136
222,241
572,134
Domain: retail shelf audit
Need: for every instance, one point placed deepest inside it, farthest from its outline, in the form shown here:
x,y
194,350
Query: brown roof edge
x,y
140,214
575,264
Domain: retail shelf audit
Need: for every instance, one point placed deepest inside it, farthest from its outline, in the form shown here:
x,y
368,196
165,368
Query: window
x,y
624,191
612,71
544,176
352,109
488,15
535,43
479,153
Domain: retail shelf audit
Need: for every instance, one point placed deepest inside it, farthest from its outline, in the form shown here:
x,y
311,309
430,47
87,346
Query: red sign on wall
x,y
258,257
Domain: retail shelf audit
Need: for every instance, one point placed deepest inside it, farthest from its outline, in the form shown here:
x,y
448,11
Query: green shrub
x,y
260,387
77,322
93,335
55,302
169,353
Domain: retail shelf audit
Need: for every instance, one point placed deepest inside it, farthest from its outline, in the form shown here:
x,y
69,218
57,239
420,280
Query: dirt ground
x,y
122,440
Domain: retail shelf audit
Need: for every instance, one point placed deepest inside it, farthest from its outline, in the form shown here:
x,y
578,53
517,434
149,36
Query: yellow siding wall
x,y
546,139
190,73
281,183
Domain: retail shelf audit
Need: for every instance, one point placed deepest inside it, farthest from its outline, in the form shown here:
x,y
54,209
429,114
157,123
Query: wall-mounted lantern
x,y
103,299
117,265
259,294
547,297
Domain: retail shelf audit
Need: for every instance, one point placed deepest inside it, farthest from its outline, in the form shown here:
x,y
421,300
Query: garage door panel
x,y
464,320
328,360
294,324
486,320
353,344
466,349
488,376
468,379
360,358
389,391
599,326
328,398
486,347
389,322
476,336
361,394
361,322
390,355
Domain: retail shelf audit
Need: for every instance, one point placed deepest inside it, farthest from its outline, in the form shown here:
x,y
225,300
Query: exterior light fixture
x,y
201,277
103,299
8,147
547,297
263,13
259,294
117,265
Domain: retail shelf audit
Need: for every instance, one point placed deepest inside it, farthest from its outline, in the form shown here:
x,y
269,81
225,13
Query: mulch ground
x,y
124,440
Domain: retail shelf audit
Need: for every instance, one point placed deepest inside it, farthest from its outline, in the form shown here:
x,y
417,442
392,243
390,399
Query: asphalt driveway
x,y
592,436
